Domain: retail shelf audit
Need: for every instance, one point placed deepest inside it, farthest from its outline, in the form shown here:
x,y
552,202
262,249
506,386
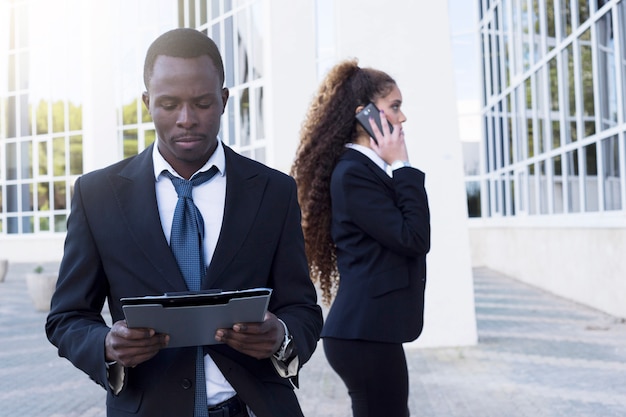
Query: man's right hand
x,y
130,347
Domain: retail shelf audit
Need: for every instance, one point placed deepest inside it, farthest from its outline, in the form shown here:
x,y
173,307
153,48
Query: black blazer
x,y
381,227
115,247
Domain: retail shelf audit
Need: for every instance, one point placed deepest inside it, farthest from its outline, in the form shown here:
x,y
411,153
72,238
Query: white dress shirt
x,y
369,152
209,197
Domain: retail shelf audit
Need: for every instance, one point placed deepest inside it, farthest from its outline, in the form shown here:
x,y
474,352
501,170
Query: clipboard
x,y
191,318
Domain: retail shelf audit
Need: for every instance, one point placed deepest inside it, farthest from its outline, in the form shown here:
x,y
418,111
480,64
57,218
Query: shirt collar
x,y
217,158
369,153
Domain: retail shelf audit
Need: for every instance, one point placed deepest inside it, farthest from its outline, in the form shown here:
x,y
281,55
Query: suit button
x,y
186,383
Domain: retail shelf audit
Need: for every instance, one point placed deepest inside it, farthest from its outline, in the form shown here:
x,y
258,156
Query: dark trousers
x,y
375,374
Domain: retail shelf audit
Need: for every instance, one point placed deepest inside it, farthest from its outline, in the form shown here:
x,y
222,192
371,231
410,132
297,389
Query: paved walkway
x,y
538,355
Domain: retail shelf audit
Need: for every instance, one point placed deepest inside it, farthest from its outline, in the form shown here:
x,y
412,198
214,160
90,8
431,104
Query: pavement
x,y
537,355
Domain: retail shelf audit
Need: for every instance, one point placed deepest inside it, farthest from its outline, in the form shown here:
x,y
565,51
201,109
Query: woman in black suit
x,y
367,232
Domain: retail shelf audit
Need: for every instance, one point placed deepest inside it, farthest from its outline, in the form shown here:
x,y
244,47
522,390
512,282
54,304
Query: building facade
x,y
548,203
70,102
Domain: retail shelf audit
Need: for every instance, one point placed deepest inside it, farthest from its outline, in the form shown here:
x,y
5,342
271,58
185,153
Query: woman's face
x,y
391,105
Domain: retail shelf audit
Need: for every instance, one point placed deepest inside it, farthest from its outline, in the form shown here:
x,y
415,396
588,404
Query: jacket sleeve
x,y
75,324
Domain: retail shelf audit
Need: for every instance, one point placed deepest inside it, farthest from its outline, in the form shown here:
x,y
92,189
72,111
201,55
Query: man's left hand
x,y
259,340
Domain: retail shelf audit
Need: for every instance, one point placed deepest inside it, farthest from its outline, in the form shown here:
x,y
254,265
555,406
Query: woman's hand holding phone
x,y
386,140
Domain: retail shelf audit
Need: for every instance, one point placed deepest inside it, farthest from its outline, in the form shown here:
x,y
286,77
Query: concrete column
x,y
101,145
289,53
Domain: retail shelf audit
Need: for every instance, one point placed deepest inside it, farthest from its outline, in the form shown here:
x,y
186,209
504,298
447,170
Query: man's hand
x,y
130,347
259,340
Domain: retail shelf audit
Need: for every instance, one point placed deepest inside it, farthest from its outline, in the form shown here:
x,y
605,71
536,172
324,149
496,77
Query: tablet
x,y
192,318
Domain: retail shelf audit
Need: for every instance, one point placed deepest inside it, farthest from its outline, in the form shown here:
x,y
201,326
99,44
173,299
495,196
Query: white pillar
x,y
101,146
290,51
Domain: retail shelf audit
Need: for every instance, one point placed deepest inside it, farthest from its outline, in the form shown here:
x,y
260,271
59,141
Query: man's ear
x,y
146,100
225,95
358,109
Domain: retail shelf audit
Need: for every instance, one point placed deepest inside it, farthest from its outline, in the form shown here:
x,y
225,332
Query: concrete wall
x,y
584,264
36,249
289,52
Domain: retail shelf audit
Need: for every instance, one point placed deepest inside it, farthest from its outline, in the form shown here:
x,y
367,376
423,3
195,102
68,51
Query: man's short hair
x,y
182,43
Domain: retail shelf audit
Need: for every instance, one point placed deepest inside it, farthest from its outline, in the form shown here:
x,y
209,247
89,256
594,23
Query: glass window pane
x,y
11,160
244,117
59,196
58,116
43,158
551,26
191,10
203,12
60,223
76,116
611,174
12,66
606,72
472,189
243,47
566,19
129,113
256,38
591,178
230,134
41,118
569,106
44,224
12,199
28,224
24,118
26,157
543,188
149,137
228,52
27,197
557,184
76,155
11,124
573,186
58,152
43,196
131,145
583,11
588,105
12,225
259,107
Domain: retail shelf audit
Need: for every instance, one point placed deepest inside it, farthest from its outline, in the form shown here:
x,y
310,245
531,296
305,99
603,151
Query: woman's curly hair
x,y
329,125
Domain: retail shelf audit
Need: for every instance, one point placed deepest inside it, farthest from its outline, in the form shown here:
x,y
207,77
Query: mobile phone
x,y
363,118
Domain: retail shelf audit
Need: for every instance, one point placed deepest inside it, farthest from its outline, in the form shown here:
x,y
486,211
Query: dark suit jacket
x,y
115,247
381,228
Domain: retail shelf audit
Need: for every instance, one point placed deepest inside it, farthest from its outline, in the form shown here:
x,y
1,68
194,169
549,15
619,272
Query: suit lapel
x,y
134,189
244,192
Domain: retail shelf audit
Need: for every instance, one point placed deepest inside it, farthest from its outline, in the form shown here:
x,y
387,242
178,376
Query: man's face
x,y
186,101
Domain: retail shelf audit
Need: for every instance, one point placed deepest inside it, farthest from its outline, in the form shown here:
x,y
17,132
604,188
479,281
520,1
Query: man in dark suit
x,y
117,246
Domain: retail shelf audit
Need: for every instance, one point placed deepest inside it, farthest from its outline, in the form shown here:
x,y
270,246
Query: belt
x,y
232,407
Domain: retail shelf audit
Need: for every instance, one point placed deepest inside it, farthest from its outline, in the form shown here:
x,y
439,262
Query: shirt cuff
x,y
115,376
400,164
286,370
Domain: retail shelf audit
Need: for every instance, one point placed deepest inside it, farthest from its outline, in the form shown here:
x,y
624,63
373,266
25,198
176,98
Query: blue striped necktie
x,y
186,242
